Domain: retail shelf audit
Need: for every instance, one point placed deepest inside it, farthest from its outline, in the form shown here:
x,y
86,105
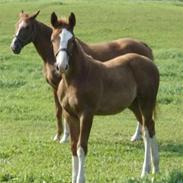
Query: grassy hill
x,y
27,121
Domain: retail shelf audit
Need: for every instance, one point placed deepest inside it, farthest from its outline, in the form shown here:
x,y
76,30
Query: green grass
x,y
27,122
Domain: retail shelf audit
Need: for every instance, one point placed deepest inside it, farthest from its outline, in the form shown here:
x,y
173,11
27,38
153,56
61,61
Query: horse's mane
x,y
63,21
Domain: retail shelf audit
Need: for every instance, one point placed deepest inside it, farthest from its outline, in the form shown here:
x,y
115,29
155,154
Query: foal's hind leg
x,y
138,132
151,147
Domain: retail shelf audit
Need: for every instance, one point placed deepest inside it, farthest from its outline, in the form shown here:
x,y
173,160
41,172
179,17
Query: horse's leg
x,y
151,147
86,120
138,132
60,127
74,134
154,155
66,132
58,117
147,158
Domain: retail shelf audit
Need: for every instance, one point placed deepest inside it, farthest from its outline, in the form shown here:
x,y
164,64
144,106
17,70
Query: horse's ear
x,y
54,20
22,12
35,15
72,20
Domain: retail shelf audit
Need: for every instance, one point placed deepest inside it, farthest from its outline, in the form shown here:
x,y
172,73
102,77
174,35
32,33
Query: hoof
x,y
136,138
56,138
144,174
64,139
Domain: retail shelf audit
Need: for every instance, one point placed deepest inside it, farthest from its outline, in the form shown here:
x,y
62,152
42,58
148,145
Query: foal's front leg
x,y
86,120
60,128
74,133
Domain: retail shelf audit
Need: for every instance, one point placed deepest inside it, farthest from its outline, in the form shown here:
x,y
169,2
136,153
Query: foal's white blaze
x,y
62,57
147,158
81,156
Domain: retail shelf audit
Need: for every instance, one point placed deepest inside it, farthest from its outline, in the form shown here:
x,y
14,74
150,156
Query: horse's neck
x,y
43,43
43,46
79,63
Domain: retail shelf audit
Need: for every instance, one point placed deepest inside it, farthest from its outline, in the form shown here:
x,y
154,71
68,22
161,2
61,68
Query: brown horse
x,y
105,51
90,87
28,30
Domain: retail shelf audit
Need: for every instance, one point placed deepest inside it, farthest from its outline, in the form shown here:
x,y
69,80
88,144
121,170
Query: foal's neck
x,y
87,48
43,43
78,63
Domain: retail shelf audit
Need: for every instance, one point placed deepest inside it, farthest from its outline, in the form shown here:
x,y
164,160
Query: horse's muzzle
x,y
15,47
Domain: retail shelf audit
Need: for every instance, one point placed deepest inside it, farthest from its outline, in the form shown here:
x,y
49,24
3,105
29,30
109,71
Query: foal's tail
x,y
150,55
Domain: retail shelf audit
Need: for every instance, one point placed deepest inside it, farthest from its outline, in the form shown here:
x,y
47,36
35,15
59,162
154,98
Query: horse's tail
x,y
150,55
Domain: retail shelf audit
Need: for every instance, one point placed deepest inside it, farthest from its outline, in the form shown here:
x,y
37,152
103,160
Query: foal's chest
x,y
69,101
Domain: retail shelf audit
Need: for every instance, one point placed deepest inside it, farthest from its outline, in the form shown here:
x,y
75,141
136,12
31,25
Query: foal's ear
x,y
54,20
35,15
72,21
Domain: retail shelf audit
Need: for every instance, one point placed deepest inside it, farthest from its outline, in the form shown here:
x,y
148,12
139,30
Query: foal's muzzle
x,y
16,46
61,69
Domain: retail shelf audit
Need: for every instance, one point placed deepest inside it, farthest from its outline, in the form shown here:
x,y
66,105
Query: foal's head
x,y
25,32
63,40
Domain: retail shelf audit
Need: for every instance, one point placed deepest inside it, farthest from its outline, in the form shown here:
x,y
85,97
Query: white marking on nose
x,y
62,57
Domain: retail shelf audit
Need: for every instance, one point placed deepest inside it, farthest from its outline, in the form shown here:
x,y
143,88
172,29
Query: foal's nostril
x,y
57,67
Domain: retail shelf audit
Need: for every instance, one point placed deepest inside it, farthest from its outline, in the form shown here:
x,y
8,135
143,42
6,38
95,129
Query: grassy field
x,y
27,122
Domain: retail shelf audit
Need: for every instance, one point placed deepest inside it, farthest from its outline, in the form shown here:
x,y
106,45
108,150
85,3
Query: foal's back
x,y
122,79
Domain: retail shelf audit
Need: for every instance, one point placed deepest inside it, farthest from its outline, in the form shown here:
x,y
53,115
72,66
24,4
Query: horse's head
x,y
62,39
58,25
25,31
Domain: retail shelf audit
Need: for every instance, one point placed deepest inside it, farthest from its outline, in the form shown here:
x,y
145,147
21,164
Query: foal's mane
x,y
63,22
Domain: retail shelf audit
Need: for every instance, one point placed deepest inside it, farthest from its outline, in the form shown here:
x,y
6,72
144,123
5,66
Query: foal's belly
x,y
115,102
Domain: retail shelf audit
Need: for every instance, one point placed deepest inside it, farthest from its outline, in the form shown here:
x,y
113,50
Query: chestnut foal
x,y
105,51
90,87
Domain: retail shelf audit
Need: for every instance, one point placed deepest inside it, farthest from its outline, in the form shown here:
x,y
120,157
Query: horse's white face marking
x,y
62,59
21,25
